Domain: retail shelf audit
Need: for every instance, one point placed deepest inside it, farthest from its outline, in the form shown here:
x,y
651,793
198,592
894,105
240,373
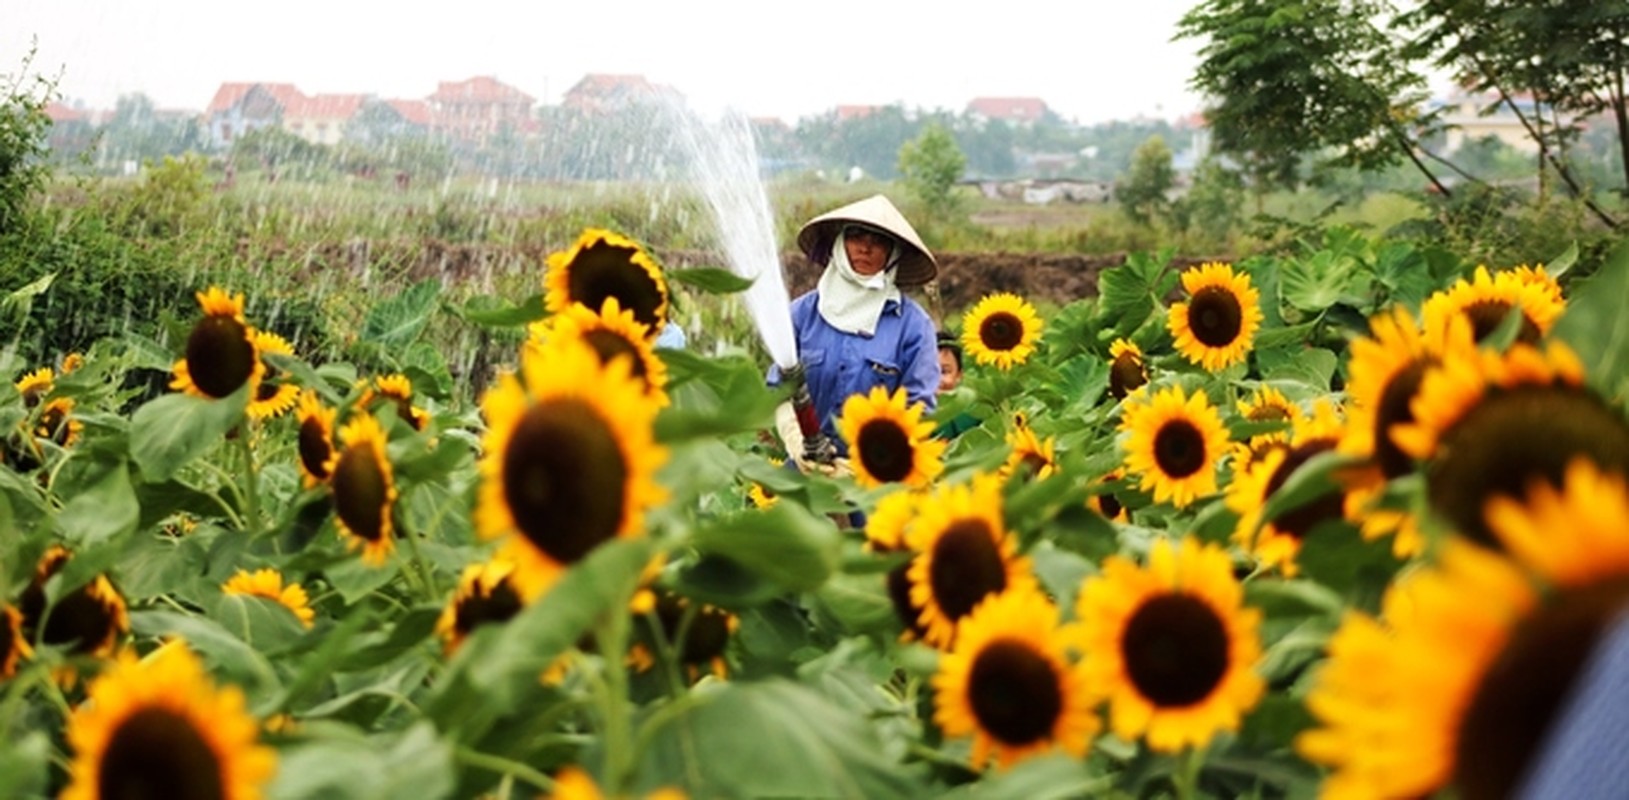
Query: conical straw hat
x,y
916,264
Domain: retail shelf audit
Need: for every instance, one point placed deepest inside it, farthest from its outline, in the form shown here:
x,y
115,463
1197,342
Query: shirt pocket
x,y
885,373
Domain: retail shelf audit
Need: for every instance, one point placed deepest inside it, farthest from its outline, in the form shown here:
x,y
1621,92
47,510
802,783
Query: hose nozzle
x,y
817,446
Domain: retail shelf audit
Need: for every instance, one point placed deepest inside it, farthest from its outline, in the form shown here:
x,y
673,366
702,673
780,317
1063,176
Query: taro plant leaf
x,y
1054,777
1317,282
710,279
103,510
427,369
498,666
1312,366
172,430
490,311
397,321
726,737
1129,292
1596,327
784,543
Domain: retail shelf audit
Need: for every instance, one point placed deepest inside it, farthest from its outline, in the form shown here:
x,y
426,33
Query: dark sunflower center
x,y
1032,463
564,479
79,620
885,450
899,591
220,357
1487,315
1175,650
1179,448
1110,505
266,391
604,271
53,423
1394,409
1299,521
1125,375
707,636
609,345
1268,412
481,607
8,650
1015,692
155,754
1215,316
1514,437
1516,701
1001,331
967,567
33,395
314,447
361,492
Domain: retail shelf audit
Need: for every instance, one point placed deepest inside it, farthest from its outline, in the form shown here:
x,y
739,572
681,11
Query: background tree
x,y
138,132
1142,191
23,130
930,165
1305,78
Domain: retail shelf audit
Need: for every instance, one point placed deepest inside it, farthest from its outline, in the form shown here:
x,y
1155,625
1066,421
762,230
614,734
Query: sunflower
x,y
612,331
706,630
58,424
1491,423
1031,456
220,356
570,460
73,361
964,554
1217,324
268,583
1127,372
1002,330
88,620
1172,645
397,389
1010,685
159,728
1276,543
1538,276
602,265
887,442
275,395
1387,369
572,783
1487,299
485,594
364,489
1265,404
14,646
35,386
1105,503
316,439
886,527
760,495
1174,443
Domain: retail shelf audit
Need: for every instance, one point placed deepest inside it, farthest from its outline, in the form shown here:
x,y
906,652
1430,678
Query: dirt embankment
x,y
963,277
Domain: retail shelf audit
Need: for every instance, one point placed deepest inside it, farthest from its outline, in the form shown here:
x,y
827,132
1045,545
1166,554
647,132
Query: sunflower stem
x,y
612,636
251,483
505,767
426,577
1186,777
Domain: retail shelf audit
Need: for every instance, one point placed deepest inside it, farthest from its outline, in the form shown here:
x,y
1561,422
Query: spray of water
x,y
724,162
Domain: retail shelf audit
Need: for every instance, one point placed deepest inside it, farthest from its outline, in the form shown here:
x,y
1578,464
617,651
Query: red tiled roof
x,y
855,112
1027,109
479,89
326,106
61,113
414,111
601,84
230,93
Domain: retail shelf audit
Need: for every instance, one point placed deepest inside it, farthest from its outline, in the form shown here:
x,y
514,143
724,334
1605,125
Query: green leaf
x,y
857,603
784,543
397,321
1054,777
724,741
1315,283
304,374
1562,264
172,430
1312,366
710,279
25,765
1312,480
415,763
488,311
1596,327
105,509
241,663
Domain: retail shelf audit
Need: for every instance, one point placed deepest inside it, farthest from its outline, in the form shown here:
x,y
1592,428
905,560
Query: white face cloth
x,y
849,301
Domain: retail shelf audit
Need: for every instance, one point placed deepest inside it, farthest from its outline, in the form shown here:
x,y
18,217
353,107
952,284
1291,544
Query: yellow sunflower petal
x,y
1002,330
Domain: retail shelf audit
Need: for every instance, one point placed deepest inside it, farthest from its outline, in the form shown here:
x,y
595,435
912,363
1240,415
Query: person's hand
x,y
841,468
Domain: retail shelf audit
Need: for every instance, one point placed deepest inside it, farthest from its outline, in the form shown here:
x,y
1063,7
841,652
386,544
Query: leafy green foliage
x,y
930,165
1142,191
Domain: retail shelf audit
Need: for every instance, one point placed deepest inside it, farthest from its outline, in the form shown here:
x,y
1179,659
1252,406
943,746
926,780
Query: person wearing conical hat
x,y
856,330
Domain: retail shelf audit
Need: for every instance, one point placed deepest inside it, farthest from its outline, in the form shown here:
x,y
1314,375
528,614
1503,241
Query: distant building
x,y
1471,117
846,113
322,119
477,109
242,107
412,112
72,129
1013,110
600,92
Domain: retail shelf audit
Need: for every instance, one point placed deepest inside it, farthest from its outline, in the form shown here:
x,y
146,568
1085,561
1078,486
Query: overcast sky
x,y
1089,61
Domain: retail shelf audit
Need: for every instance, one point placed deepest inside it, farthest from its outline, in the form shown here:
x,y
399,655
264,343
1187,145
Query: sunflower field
x,y
1347,523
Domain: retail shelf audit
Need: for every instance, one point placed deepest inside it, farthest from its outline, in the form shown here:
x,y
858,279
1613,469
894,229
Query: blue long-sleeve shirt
x,y
902,352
